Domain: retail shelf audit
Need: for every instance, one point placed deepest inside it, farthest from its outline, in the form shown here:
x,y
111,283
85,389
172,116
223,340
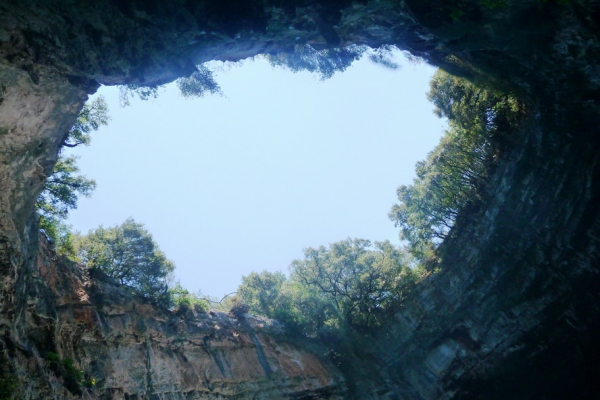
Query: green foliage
x,y
239,309
325,63
485,110
446,183
301,309
128,253
384,56
306,310
8,387
65,186
129,91
364,281
183,300
93,115
262,291
60,195
353,284
61,236
63,189
455,173
73,378
199,83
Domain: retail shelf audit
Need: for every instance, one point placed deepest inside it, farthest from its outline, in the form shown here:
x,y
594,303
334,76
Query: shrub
x,y
239,309
73,378
182,301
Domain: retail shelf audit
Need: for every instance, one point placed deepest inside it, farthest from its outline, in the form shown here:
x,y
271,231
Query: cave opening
x,y
514,313
281,161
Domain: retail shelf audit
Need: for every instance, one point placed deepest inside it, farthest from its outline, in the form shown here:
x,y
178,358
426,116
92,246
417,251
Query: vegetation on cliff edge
x,y
352,286
340,293
454,175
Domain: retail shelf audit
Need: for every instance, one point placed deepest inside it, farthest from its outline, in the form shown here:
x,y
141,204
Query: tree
x,y
65,186
449,179
182,300
354,285
473,107
262,291
93,115
198,84
364,281
303,310
455,173
322,62
307,311
128,253
61,193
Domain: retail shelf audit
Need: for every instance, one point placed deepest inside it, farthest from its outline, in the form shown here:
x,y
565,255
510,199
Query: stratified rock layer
x,y
514,313
132,349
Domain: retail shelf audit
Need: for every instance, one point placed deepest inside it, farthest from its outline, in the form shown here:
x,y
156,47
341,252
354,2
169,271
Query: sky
x,y
282,161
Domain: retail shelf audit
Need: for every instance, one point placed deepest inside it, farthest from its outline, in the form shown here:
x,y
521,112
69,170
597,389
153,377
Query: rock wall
x,y
34,116
512,314
133,350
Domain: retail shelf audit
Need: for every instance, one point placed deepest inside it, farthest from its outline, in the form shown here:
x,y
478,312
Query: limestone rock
x,y
132,349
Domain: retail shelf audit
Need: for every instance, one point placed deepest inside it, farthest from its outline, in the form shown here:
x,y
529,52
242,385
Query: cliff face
x,y
514,312
135,351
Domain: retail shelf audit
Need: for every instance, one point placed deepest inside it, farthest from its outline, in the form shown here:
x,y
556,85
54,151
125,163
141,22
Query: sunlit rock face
x,y
514,312
134,350
35,113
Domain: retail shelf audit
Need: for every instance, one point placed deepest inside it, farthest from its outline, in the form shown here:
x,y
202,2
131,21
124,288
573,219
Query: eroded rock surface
x,y
134,350
514,313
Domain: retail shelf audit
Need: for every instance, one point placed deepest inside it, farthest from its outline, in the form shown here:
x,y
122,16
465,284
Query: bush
x,y
239,309
73,378
184,301
128,253
8,386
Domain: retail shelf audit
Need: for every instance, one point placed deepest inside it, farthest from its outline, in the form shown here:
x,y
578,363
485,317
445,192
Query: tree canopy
x,y
65,185
63,189
364,281
327,62
455,173
352,284
198,84
129,254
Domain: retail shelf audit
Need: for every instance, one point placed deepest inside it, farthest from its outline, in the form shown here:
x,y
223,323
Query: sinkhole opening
x,y
281,161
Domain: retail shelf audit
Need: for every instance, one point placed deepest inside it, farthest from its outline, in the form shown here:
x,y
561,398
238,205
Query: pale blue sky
x,y
240,183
